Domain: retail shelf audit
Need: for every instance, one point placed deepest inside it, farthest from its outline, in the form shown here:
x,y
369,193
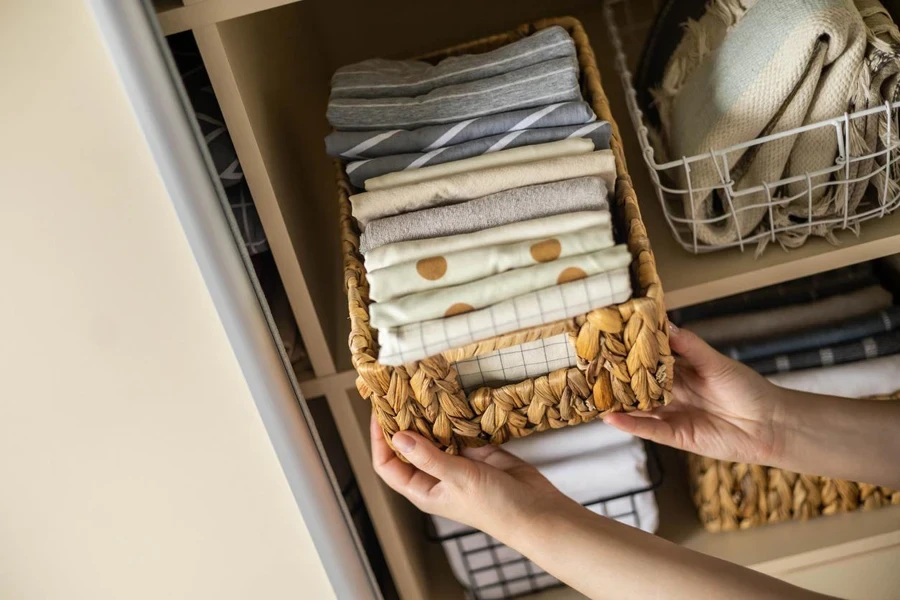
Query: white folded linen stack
x,y
588,463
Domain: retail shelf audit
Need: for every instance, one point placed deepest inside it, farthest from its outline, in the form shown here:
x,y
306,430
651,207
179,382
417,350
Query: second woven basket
x,y
624,364
731,496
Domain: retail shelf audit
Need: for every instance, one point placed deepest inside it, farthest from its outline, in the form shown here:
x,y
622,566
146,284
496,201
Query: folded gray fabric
x,y
818,337
380,78
538,85
372,144
510,206
358,172
798,291
884,344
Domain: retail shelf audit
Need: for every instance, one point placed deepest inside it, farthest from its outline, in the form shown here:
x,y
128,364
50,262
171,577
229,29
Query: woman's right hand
x,y
721,408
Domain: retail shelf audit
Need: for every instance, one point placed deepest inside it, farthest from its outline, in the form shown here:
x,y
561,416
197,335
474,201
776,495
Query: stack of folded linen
x,y
595,465
486,183
801,330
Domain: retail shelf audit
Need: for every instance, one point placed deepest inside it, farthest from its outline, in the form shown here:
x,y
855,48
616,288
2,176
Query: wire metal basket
x,y
786,206
494,571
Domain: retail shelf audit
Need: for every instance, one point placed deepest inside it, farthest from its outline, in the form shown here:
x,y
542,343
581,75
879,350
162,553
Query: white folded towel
x,y
873,377
617,467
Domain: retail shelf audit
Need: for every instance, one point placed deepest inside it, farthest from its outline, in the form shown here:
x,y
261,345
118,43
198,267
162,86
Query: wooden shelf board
x,y
175,17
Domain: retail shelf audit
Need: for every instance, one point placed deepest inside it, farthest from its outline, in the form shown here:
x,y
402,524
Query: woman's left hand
x,y
486,488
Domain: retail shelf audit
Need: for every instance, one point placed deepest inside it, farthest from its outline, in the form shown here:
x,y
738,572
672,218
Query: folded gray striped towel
x,y
509,206
359,171
537,85
355,145
380,78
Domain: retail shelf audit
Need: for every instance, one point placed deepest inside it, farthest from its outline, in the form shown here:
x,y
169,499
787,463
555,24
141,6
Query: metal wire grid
x,y
495,571
671,198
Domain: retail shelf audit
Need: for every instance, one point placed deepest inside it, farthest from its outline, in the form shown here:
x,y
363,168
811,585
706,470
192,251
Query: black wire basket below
x,y
492,571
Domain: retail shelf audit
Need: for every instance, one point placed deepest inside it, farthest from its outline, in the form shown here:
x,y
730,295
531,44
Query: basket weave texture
x,y
732,496
624,364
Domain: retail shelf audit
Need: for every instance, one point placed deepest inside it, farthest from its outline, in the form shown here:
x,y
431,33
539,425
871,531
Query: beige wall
x,y
132,461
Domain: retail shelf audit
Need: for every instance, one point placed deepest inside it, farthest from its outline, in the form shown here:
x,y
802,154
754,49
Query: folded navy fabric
x,y
355,145
871,324
381,78
884,344
358,172
798,291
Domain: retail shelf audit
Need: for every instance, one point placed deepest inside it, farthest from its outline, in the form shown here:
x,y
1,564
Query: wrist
x,y
787,424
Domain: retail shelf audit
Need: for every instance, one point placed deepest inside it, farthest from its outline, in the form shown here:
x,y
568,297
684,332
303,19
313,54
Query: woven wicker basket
x,y
733,496
624,359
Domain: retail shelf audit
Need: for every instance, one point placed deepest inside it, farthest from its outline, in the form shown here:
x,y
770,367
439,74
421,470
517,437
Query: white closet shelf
x,y
270,62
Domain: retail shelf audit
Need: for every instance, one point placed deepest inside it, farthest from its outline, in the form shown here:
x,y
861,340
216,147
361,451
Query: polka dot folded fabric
x,y
400,252
420,340
455,300
454,268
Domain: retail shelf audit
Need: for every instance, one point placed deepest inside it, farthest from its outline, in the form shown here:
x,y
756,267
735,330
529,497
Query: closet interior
x,y
269,63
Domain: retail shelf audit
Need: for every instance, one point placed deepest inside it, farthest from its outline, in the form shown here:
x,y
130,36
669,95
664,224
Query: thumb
x,y
426,457
645,427
705,359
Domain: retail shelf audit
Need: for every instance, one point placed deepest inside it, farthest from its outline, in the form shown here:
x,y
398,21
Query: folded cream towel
x,y
453,268
428,338
467,297
874,377
494,210
512,156
369,206
740,73
732,329
392,254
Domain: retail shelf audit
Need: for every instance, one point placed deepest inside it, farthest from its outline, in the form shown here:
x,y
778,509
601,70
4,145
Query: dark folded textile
x,y
798,291
883,344
874,323
664,37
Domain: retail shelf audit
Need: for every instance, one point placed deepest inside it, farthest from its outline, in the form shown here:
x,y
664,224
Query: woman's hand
x,y
721,409
486,488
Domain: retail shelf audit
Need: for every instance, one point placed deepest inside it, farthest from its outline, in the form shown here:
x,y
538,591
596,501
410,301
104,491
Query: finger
x,y
494,456
655,430
697,353
428,458
403,478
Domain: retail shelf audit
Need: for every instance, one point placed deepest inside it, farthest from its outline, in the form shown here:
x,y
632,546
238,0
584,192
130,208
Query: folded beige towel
x,y
466,297
512,156
453,268
421,340
400,252
757,325
369,206
749,68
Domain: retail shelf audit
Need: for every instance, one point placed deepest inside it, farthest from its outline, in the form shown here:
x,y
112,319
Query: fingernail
x,y
403,442
673,328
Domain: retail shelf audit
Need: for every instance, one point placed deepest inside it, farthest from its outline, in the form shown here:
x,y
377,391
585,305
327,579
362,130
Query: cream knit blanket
x,y
749,68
